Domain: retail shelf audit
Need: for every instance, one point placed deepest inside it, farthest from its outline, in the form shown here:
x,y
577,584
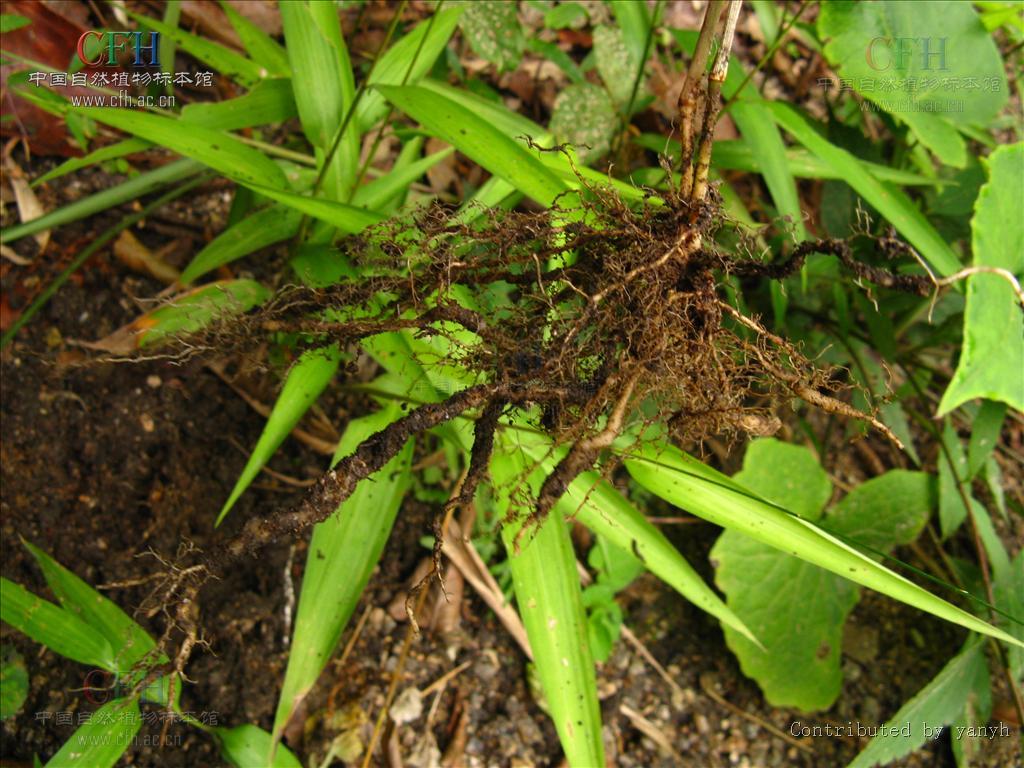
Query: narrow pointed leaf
x,y
346,218
937,704
101,741
378,192
405,62
343,552
478,140
762,135
101,155
598,505
303,385
735,155
129,641
262,48
266,227
890,202
247,746
547,588
184,314
59,630
270,101
132,189
662,470
215,149
317,54
214,55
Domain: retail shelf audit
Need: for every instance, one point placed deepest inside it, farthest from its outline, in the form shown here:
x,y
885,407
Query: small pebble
x,y
147,422
407,707
702,723
153,382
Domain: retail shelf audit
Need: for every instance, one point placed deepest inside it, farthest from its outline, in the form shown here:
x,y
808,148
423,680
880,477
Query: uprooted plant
x,y
584,322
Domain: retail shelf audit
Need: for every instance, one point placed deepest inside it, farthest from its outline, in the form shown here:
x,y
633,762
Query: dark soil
x,y
103,465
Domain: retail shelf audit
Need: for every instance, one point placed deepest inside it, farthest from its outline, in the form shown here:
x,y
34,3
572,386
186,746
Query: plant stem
x,y
986,577
271,149
687,102
713,104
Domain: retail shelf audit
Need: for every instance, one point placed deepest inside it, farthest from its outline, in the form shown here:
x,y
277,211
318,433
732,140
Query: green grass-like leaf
x,y
260,229
735,155
54,627
478,140
347,219
186,313
247,746
937,704
375,194
547,588
303,385
598,505
890,202
101,155
714,497
215,149
268,102
101,741
224,60
762,136
406,62
261,47
134,188
343,552
318,55
129,641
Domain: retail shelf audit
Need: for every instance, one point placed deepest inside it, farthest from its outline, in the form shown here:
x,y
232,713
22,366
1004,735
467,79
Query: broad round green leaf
x,y
493,31
992,362
787,475
584,117
931,64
